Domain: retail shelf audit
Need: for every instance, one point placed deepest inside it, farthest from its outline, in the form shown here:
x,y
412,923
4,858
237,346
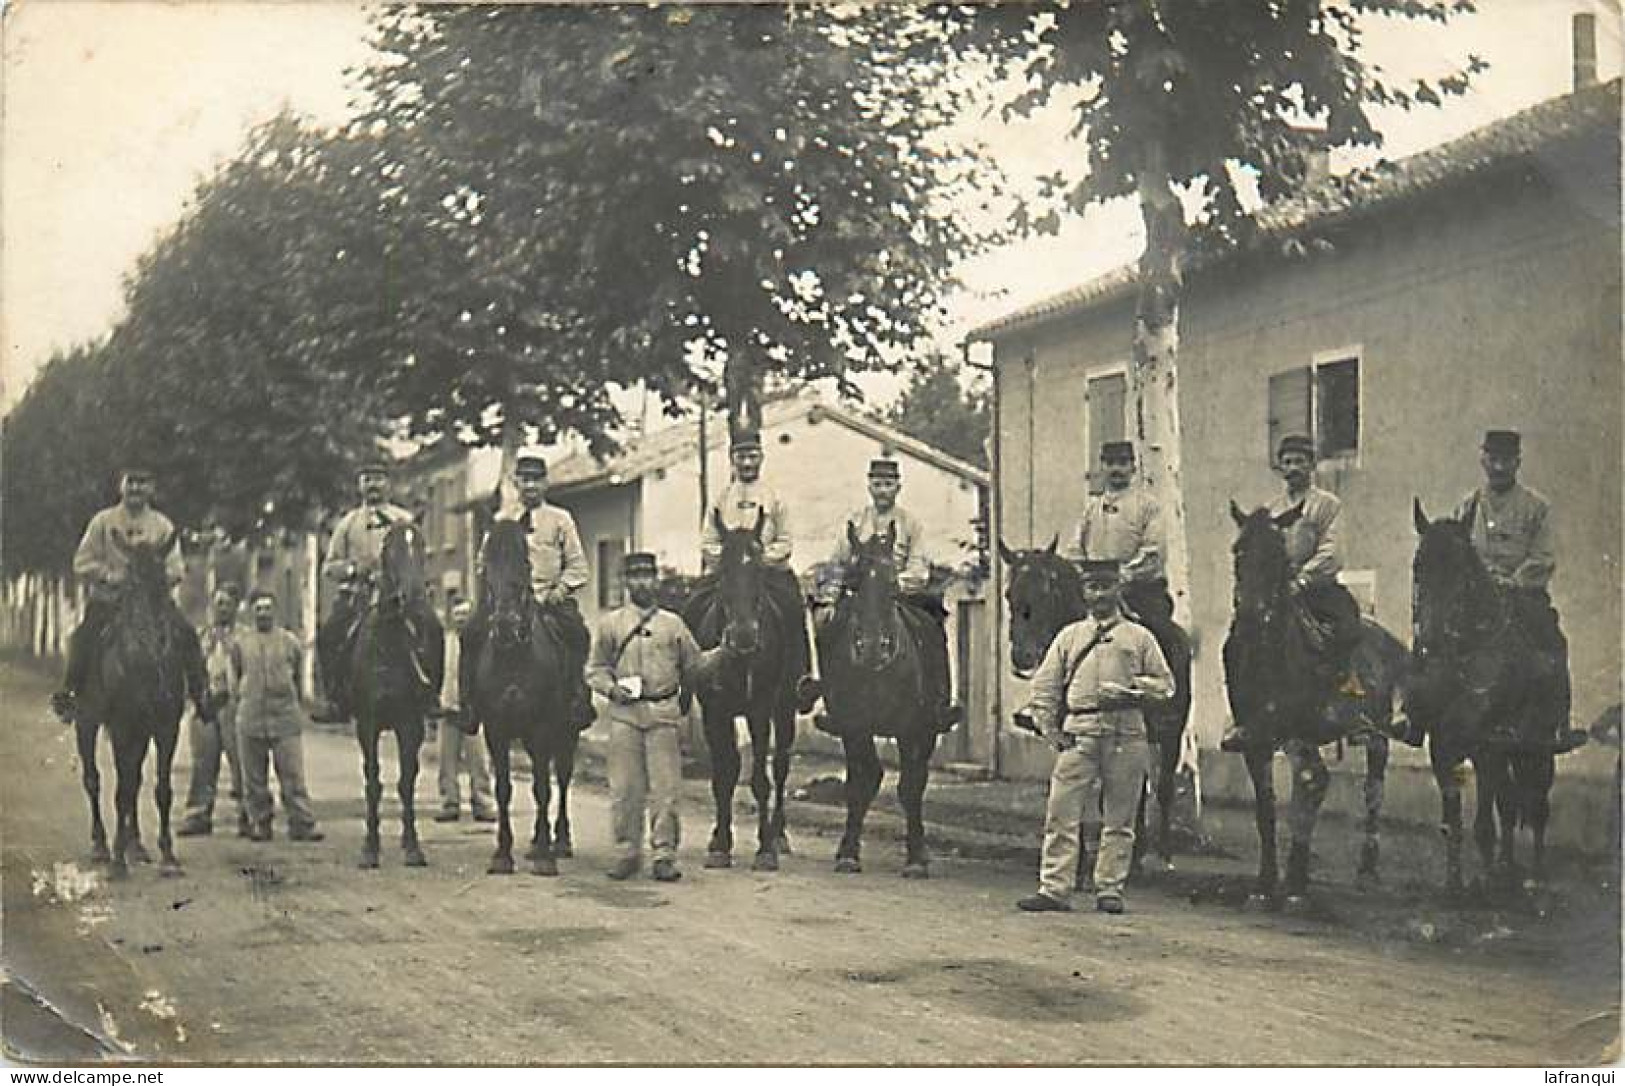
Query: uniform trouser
x,y
1335,607
927,621
461,752
1149,601
645,771
575,638
332,638
288,754
1534,614
1102,772
208,743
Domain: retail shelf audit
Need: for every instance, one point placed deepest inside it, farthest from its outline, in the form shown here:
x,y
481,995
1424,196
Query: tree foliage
x,y
936,408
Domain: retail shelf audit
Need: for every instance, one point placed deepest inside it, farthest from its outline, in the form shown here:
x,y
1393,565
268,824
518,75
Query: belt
x,y
667,696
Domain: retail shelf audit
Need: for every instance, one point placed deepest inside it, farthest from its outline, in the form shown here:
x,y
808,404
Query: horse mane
x,y
506,556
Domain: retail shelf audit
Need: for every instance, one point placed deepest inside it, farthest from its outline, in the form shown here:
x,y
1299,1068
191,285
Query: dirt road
x,y
280,951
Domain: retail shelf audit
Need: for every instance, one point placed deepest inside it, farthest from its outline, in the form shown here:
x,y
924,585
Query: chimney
x,y
1585,50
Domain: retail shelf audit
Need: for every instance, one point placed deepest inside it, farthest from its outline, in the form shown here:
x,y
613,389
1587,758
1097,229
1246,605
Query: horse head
x,y
146,575
1261,565
1044,595
1451,590
506,580
877,633
400,567
740,583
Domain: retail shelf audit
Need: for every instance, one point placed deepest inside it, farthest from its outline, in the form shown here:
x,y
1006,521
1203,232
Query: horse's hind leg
x,y
1376,772
724,748
541,844
1489,772
367,735
564,766
863,776
1260,769
784,740
915,754
1310,779
1535,772
500,749
761,787
164,792
90,776
408,739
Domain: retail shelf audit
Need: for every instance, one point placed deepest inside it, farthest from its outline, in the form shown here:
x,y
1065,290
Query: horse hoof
x,y
137,853
369,858
1296,904
415,857
532,853
119,870
782,845
1258,902
563,851
765,861
544,865
99,853
847,865
716,858
500,865
170,869
916,871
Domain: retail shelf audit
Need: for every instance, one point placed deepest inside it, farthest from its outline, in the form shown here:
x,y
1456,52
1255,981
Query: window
x,y
1321,400
1106,401
609,572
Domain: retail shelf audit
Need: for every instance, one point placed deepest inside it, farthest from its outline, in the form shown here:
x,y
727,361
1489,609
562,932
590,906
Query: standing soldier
x,y
352,561
101,562
1512,531
558,570
1086,700
1307,516
745,499
642,657
459,751
207,740
270,720
924,613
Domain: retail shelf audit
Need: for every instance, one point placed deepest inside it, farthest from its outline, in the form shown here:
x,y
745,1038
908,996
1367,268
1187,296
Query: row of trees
x,y
539,206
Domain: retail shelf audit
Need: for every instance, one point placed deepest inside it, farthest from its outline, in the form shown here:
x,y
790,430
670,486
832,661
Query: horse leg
x,y
90,776
1447,777
1376,773
863,776
1310,779
1167,791
164,792
408,739
724,748
1259,768
542,861
915,755
1489,770
367,735
1536,771
761,787
564,765
127,757
498,746
784,740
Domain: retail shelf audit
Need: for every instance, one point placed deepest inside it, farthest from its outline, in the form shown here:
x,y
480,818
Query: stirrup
x,y
1235,741
1351,686
65,704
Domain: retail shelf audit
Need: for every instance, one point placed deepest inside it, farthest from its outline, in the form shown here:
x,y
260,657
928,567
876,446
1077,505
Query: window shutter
x,y
1289,410
1107,401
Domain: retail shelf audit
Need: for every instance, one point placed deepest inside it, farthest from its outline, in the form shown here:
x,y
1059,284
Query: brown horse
x,y
1278,695
396,666
1473,674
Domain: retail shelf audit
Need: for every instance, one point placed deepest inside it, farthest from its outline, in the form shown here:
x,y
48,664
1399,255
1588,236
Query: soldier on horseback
x,y
1307,517
102,561
1511,529
558,570
924,612
352,561
738,506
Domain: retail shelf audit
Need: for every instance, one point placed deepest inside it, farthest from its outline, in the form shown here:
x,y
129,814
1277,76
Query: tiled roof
x,y
1367,191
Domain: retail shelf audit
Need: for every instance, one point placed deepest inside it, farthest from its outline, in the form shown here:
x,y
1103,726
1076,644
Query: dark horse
x,y
1278,695
874,685
1044,596
147,664
1473,672
756,683
396,665
521,691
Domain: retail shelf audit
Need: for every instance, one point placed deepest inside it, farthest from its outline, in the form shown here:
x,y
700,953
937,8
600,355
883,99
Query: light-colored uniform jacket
x,y
1127,655
558,565
662,655
1311,542
358,540
1125,526
99,560
913,568
739,504
1513,534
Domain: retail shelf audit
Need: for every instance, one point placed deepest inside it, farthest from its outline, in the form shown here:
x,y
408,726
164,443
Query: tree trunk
x,y
309,610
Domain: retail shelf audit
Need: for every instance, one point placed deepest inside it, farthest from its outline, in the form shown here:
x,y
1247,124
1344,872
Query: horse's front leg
x,y
541,840
90,776
863,776
761,788
373,786
164,793
128,754
408,740
784,741
1260,762
1448,776
564,765
1167,755
724,748
1490,773
915,754
1310,779
1536,771
1376,774
499,746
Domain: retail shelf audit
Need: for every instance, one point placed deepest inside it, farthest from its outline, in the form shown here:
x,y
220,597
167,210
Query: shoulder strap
x,y
1077,662
626,642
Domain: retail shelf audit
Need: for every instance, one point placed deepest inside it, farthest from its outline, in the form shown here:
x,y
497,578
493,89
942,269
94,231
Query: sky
x,y
114,110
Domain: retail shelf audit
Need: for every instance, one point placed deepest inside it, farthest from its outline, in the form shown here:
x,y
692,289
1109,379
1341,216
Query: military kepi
x,y
1099,569
372,466
530,461
1117,450
885,468
745,443
1503,442
1296,443
638,562
137,470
